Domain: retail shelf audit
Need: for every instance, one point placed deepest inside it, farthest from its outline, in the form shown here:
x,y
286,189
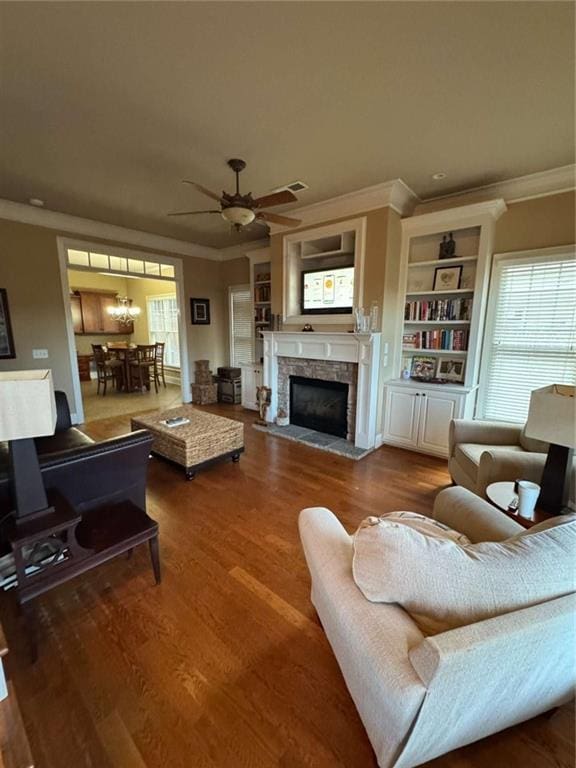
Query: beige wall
x,y
79,280
29,270
540,223
543,222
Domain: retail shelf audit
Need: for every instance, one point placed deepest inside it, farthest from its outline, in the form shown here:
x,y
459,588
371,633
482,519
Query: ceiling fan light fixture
x,y
238,215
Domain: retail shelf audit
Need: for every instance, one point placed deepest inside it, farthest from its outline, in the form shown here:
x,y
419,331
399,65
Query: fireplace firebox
x,y
319,404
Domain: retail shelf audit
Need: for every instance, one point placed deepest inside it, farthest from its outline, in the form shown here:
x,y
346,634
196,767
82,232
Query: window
x,y
240,325
531,332
104,262
163,326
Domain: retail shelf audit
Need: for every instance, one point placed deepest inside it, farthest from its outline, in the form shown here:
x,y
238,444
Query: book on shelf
x,y
438,309
261,293
261,314
449,339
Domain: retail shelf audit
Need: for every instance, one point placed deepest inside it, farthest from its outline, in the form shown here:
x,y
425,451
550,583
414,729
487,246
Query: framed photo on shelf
x,y
447,278
7,351
423,367
451,369
411,340
200,311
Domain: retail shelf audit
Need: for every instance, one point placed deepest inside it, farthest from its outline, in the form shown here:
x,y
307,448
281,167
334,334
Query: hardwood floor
x,y
225,663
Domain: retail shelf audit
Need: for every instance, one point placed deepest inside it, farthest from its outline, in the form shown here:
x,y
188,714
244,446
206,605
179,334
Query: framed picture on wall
x,y
7,350
200,311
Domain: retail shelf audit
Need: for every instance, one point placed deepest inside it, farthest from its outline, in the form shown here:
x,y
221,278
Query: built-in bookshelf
x,y
261,283
445,265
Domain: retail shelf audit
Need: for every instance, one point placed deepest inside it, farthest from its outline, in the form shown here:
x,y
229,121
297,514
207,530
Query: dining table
x,y
126,355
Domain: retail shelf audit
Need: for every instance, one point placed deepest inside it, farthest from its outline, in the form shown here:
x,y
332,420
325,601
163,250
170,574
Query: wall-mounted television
x,y
327,291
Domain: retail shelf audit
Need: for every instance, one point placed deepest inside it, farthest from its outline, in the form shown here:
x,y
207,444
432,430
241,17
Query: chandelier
x,y
124,312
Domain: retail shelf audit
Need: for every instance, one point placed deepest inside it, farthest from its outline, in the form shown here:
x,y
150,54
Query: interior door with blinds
x,y
530,338
241,342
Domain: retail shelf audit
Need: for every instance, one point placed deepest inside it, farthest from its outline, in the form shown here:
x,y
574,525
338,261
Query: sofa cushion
x,y
445,584
468,455
61,441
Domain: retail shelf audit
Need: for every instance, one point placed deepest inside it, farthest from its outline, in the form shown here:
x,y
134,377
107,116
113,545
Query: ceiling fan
x,y
241,210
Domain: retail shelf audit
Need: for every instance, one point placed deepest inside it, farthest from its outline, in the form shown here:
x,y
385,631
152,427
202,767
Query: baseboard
x,y
379,440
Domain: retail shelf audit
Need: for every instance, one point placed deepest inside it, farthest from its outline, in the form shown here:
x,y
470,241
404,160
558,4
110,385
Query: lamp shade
x,y
552,415
27,405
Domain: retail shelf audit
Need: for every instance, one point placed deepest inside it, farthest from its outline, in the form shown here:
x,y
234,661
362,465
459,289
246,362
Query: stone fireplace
x,y
328,371
348,358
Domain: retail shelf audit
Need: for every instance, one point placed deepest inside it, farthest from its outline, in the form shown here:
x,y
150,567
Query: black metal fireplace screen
x,y
320,405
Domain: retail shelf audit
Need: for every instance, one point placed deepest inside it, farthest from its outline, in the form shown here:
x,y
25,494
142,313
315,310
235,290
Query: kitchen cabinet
x,y
76,304
90,314
417,416
251,380
84,366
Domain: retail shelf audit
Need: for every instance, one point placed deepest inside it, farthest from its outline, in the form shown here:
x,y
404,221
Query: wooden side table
x,y
502,495
79,542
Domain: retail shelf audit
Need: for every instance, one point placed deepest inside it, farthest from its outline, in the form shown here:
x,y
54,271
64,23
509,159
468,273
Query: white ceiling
x,y
105,107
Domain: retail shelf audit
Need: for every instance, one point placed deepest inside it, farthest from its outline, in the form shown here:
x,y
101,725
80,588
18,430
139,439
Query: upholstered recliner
x,y
420,697
485,452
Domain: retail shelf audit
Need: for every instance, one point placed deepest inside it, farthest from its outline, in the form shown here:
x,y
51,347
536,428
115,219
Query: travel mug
x,y
528,493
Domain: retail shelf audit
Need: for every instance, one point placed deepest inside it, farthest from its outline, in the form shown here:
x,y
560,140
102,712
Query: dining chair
x,y
143,366
159,367
107,369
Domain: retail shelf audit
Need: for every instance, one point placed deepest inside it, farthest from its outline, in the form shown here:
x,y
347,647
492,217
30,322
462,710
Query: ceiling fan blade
x,y
275,218
202,189
190,213
276,198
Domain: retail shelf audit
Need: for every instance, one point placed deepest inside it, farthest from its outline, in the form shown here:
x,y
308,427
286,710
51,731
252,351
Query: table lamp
x,y
27,410
552,418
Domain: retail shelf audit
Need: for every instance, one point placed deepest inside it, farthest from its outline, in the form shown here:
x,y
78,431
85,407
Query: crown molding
x,y
542,184
461,215
65,223
394,194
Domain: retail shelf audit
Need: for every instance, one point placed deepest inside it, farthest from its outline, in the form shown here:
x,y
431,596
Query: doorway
x,y
118,301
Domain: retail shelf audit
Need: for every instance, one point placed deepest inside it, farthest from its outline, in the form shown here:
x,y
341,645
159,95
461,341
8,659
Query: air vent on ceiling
x,y
294,186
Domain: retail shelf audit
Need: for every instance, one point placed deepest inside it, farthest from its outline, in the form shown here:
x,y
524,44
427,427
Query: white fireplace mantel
x,y
360,348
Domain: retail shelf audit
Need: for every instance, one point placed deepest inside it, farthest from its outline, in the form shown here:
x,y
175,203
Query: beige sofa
x,y
420,697
485,452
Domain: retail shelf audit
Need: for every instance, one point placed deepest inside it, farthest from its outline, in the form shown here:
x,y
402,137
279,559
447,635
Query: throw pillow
x,y
445,584
425,525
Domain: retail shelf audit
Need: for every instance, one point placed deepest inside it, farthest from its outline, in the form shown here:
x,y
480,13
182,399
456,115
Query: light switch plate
x,y
39,354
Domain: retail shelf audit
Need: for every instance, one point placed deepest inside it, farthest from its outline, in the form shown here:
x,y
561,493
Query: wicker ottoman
x,y
203,441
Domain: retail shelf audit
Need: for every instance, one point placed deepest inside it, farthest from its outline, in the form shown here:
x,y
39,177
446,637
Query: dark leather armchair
x,y
84,472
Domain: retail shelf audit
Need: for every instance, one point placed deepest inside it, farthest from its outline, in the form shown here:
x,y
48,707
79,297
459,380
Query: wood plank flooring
x,y
225,665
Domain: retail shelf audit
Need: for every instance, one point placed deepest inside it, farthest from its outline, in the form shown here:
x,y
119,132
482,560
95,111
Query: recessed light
x,y
439,176
37,202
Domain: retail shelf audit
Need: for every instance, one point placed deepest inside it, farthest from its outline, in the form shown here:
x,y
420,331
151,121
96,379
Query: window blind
x,y
163,326
531,339
241,350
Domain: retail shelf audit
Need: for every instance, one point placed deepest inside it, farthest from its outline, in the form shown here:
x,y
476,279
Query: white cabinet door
x,y
401,422
436,411
251,379
248,387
